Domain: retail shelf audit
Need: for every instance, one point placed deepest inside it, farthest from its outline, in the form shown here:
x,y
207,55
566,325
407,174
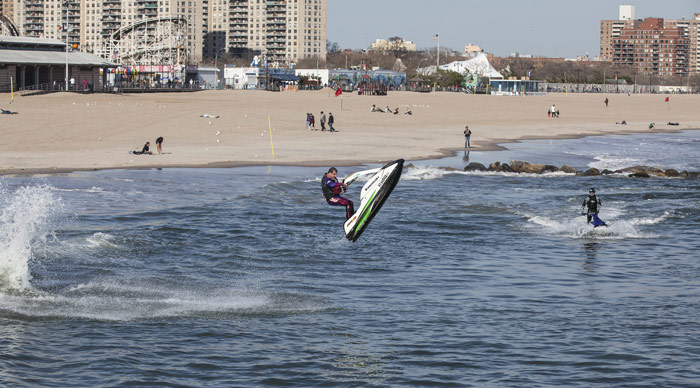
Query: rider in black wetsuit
x,y
593,203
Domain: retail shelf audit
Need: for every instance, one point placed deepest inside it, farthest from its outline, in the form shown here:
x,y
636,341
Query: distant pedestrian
x,y
467,136
323,121
553,111
159,145
312,121
85,84
308,121
331,120
606,102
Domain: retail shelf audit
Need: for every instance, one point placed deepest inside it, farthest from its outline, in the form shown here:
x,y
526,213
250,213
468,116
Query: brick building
x,y
654,45
652,48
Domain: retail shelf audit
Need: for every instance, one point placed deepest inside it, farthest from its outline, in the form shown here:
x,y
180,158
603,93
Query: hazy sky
x,y
550,28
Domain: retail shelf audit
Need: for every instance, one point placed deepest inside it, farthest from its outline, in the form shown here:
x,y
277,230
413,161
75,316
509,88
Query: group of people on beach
x,y
553,112
389,110
146,150
311,122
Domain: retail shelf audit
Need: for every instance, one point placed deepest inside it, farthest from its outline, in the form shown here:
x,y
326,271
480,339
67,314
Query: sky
x,y
547,28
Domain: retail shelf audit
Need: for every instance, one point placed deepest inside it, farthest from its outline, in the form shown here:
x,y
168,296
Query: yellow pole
x,y
12,91
272,147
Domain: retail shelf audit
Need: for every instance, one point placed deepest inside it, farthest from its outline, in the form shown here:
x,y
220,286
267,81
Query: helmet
x,y
591,190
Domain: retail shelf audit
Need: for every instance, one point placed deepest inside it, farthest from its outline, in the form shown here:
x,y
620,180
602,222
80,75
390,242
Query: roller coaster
x,y
7,27
153,41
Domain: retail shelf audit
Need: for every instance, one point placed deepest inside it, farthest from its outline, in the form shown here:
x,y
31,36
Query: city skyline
x,y
572,29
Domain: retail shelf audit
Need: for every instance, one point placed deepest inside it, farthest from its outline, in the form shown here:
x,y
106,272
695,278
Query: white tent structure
x,y
478,65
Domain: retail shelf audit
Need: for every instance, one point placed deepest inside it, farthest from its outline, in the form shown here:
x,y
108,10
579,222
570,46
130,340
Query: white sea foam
x,y
112,300
576,227
25,221
430,173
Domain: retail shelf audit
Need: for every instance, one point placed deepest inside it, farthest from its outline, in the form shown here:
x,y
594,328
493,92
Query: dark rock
x,y
549,168
693,175
672,173
591,172
495,166
474,166
645,169
525,167
567,169
410,165
606,172
640,174
507,168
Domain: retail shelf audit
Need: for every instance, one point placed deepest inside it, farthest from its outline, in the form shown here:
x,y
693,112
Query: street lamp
x,y
216,65
604,79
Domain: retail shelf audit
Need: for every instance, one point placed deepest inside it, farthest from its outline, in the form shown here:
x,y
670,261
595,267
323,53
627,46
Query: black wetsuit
x,y
593,203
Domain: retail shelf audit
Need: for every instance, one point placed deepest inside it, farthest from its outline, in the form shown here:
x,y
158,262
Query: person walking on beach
x,y
159,145
323,121
332,190
593,204
606,102
467,136
311,121
308,120
553,111
331,120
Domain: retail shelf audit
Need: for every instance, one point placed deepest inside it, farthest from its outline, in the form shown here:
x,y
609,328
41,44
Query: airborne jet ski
x,y
372,197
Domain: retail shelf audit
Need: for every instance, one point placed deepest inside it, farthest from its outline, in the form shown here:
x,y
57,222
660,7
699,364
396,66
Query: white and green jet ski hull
x,y
372,197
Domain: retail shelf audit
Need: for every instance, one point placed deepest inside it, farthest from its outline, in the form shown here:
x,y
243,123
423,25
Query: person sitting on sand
x,y
374,108
145,150
651,125
396,111
408,111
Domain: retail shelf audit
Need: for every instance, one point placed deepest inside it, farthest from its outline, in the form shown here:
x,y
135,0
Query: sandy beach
x,y
67,132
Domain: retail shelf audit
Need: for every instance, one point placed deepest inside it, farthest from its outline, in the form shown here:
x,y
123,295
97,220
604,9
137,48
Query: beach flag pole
x,y
12,91
272,147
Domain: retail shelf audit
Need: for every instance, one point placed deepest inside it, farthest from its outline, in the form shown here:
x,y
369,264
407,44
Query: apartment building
x,y
282,31
671,43
652,48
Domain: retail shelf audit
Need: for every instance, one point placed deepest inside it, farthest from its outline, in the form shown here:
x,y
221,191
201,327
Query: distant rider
x,y
593,204
332,190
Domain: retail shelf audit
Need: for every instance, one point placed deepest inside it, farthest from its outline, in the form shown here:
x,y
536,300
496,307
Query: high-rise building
x,y
654,45
280,30
627,12
652,48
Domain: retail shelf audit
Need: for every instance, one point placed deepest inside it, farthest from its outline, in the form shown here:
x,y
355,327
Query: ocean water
x,y
243,277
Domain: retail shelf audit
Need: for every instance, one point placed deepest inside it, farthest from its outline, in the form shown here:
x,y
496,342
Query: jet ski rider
x,y
593,203
332,190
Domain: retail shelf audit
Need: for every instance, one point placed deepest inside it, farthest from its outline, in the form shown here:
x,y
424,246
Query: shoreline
x,y
63,133
446,153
